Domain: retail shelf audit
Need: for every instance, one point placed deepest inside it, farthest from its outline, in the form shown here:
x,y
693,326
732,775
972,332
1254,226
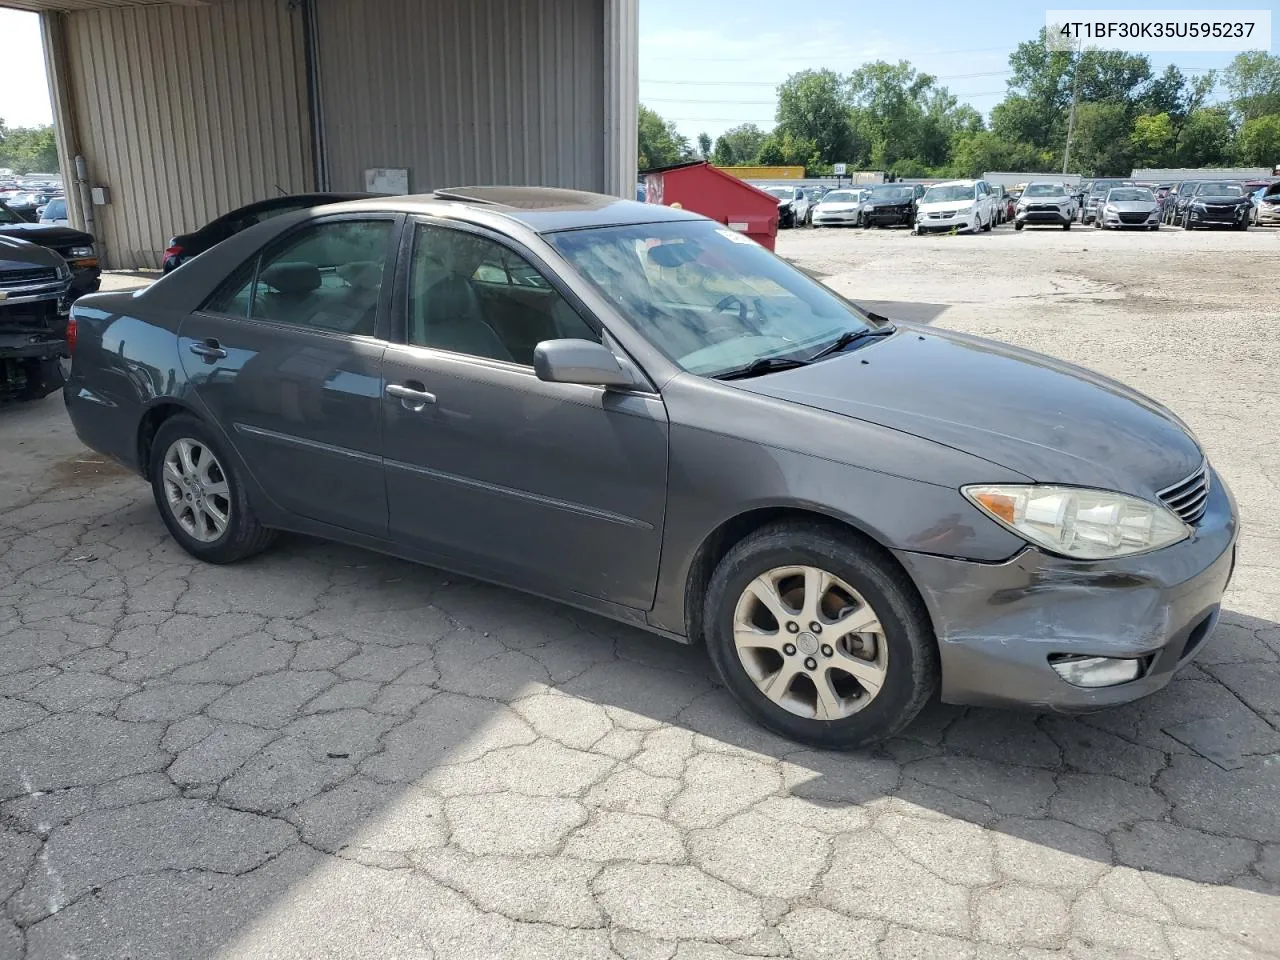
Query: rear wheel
x,y
1067,225
818,637
200,495
1017,225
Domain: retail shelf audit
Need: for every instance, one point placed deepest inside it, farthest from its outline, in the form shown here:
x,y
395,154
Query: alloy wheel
x,y
810,642
196,489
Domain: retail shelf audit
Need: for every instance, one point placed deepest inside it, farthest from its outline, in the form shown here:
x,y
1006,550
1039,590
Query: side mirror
x,y
579,361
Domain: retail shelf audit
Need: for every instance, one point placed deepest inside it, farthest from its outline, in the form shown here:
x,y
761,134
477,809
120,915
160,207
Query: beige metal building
x,y
171,112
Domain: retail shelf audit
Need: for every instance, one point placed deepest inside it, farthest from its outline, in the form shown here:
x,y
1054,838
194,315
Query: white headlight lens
x,y
86,251
1079,523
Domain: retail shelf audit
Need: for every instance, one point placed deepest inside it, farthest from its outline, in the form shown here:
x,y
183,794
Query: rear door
x,y
286,358
555,486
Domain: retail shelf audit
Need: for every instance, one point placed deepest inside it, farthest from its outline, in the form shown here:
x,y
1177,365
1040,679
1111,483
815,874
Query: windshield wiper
x,y
756,367
850,338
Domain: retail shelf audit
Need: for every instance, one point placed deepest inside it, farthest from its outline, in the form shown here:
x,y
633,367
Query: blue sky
x,y
712,64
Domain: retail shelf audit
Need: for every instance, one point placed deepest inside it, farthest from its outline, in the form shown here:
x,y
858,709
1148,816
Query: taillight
x,y
71,334
173,250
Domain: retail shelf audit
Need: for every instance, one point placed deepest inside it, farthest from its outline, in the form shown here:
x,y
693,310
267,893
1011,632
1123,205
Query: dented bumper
x,y
999,625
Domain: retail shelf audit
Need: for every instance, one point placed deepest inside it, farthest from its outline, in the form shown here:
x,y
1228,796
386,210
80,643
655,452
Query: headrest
x,y
362,274
292,277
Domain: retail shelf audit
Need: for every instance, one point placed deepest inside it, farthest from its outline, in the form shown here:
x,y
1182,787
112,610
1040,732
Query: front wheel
x,y
819,637
200,495
1067,225
1017,225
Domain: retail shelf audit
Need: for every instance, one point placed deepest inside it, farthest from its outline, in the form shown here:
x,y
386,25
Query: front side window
x,y
710,299
469,294
326,277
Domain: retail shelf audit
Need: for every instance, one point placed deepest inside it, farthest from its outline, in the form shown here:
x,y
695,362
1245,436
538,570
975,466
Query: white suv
x,y
955,205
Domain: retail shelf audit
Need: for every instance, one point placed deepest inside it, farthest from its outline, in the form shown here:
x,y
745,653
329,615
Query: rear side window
x,y
325,277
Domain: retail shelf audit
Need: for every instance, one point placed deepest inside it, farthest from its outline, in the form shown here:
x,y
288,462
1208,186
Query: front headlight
x,y
1079,523
86,251
1110,208
1200,207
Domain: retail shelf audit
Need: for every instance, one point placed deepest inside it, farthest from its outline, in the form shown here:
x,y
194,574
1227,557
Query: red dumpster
x,y
701,188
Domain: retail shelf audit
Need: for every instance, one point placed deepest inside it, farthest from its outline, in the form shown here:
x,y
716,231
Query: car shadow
x,y
908,311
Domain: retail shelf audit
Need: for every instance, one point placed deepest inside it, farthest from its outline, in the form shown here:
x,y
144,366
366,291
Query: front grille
x,y
26,278
1219,213
1189,498
1134,217
39,315
1043,208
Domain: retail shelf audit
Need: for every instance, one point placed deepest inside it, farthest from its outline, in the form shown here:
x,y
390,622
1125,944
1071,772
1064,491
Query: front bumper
x,y
1116,220
998,624
927,223
840,219
1221,217
888,217
1269,213
86,278
1055,217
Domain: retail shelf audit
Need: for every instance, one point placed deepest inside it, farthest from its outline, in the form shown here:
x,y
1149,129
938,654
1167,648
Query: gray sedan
x,y
642,413
1128,207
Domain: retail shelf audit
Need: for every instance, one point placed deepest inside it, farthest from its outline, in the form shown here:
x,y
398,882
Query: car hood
x,y
16,254
45,235
1134,206
1048,420
1221,201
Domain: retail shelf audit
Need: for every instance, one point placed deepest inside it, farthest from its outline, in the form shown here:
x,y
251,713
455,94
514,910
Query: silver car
x,y
637,411
1128,207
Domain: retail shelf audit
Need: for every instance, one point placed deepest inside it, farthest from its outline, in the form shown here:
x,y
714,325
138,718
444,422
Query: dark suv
x,y
74,246
34,283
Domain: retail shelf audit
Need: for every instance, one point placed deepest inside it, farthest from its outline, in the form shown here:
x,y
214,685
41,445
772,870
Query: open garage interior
x,y
183,111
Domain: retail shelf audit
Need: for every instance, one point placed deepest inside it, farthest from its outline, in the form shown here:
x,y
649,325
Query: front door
x,y
287,359
557,487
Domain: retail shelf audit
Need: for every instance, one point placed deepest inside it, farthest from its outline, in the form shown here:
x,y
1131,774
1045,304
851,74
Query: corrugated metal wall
x,y
185,113
464,91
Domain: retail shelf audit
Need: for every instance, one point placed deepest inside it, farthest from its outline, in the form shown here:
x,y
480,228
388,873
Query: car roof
x,y
542,209
953,183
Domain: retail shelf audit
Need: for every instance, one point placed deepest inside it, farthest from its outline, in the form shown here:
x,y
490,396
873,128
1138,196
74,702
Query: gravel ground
x,y
327,753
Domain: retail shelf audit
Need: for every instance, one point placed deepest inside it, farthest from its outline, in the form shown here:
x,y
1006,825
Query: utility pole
x,y
1075,95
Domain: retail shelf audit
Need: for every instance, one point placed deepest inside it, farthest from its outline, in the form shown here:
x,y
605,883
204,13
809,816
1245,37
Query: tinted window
x,y
469,294
326,277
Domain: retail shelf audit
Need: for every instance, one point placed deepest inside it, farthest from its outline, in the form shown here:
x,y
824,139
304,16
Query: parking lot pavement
x,y
327,753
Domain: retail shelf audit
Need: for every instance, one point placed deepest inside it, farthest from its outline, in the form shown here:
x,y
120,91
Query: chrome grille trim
x,y
1188,498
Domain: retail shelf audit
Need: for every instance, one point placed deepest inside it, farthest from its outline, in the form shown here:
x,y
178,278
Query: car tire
x,y
213,485
1244,225
988,226
901,657
1067,225
1017,226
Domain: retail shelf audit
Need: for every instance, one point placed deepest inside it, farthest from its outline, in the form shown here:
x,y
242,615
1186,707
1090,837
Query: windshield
x,y
56,210
947,192
1044,190
782,193
840,196
1100,188
710,299
8,216
891,193
1122,194
1219,189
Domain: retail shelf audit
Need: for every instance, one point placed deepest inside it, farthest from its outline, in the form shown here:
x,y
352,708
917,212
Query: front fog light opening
x,y
1081,671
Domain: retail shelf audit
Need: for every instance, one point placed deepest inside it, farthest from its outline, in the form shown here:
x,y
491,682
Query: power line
x,y
768,83
860,55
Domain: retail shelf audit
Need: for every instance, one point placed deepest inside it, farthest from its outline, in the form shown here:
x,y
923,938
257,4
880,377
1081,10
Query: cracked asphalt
x,y
327,753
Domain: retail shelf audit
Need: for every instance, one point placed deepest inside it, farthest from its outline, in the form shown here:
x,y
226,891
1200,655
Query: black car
x,y
74,246
892,204
187,245
33,319
1218,203
1176,205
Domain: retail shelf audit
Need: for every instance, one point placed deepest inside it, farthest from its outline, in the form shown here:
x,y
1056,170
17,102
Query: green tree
x,y
1259,141
1102,145
1206,139
738,146
704,146
659,143
28,149
973,153
786,149
1253,78
813,106
1152,141
896,113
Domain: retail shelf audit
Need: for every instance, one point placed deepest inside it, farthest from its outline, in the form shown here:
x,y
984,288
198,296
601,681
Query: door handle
x,y
411,398
210,350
